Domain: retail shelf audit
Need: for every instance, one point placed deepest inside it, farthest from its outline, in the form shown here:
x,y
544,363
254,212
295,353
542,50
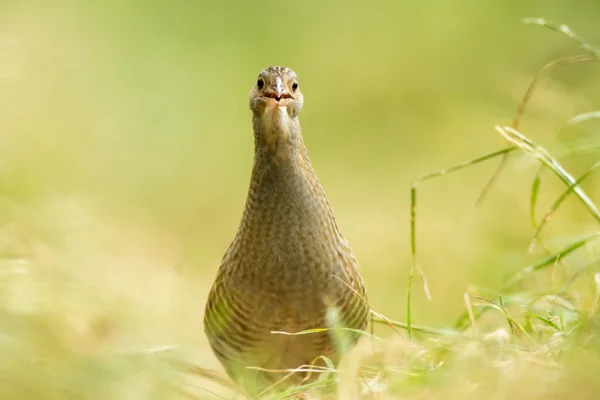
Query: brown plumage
x,y
283,269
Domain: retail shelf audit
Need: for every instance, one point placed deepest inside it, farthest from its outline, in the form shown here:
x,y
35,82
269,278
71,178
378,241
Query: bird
x,y
288,268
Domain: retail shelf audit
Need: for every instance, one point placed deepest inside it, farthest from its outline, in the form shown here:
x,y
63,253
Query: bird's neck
x,y
285,197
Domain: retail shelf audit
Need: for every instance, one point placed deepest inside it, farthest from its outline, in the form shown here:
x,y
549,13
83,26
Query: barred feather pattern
x,y
282,271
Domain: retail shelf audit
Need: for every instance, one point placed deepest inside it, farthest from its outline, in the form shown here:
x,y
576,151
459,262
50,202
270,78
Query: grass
x,y
94,306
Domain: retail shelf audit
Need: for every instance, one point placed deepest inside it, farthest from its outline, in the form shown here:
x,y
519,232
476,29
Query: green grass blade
x,y
535,187
544,320
545,157
560,199
413,223
551,259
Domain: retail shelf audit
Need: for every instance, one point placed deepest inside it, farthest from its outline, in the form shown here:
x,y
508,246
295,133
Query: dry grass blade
x,y
583,117
207,374
294,391
383,317
523,104
471,314
417,328
564,29
319,330
303,368
516,328
309,369
594,54
594,306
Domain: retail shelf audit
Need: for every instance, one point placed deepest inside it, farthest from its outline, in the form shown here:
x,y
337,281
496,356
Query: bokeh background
x,y
126,149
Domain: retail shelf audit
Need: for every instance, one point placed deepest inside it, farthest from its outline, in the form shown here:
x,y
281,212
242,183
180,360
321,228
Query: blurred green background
x,y
126,149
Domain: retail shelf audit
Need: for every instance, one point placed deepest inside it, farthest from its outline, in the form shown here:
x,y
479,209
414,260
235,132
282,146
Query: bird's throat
x,y
276,126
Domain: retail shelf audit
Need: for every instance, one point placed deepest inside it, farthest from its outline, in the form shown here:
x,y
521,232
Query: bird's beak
x,y
279,88
278,91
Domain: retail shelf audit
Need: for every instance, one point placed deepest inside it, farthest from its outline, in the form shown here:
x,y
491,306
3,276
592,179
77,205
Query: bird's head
x,y
276,88
276,101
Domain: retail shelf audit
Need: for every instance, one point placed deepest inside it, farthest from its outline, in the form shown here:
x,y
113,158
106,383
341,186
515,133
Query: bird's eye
x,y
295,86
260,83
